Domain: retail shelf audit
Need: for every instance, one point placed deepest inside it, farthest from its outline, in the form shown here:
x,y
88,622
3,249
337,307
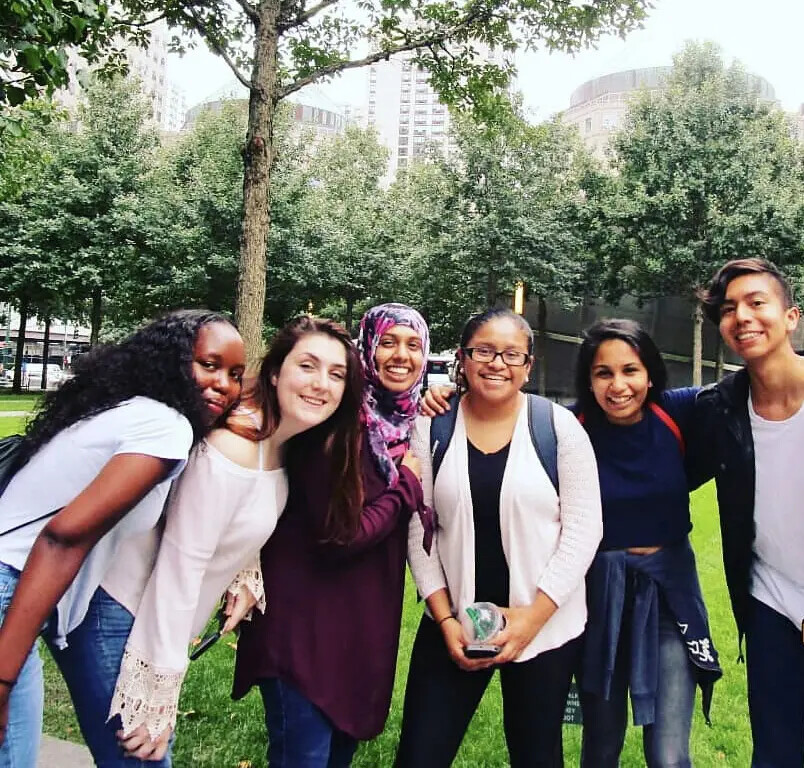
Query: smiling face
x,y
311,381
399,358
619,381
754,320
496,381
219,360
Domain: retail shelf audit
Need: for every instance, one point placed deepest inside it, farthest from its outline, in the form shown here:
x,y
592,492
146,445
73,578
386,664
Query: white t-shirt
x,y
67,464
778,572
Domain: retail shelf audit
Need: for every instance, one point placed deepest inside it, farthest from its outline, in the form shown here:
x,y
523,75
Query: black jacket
x,y
723,447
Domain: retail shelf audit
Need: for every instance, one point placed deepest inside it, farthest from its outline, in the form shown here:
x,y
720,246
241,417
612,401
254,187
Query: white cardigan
x,y
548,545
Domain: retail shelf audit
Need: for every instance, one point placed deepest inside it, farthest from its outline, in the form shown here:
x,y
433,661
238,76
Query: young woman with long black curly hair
x,y
100,455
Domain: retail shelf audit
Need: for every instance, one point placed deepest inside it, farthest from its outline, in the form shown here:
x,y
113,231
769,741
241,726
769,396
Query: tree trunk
x,y
96,315
16,387
491,289
258,156
350,309
697,344
541,345
720,359
45,353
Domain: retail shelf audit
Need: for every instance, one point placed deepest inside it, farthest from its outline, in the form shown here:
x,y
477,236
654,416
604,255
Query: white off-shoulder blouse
x,y
218,516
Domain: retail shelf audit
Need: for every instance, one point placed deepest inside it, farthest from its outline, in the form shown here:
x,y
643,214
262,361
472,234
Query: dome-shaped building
x,y
598,106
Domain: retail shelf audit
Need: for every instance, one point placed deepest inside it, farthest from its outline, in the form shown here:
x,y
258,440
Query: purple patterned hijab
x,y
388,416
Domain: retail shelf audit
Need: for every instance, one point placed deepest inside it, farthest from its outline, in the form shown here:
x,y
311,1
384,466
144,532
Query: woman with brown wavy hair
x,y
220,513
324,652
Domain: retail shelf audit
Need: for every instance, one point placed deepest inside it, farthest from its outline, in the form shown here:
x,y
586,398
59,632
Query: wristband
x,y
9,683
440,621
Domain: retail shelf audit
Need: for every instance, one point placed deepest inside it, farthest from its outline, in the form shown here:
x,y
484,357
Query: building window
x,y
403,162
588,125
404,130
403,150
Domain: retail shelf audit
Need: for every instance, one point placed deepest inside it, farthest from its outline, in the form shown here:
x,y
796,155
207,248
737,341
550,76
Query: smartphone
x,y
204,645
480,651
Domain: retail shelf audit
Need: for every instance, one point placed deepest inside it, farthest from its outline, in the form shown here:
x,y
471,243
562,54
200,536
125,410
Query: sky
x,y
766,36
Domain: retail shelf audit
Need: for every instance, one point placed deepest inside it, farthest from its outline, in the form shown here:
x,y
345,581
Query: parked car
x,y
32,375
440,370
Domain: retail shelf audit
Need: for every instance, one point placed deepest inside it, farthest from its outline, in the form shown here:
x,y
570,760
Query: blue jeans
x,y
299,733
775,666
89,665
21,745
666,741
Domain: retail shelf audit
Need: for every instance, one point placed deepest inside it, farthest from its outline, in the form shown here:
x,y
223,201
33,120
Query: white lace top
x,y
219,515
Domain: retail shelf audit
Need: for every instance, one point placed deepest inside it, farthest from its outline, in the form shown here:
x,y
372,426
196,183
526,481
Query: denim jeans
x,y
775,666
299,733
89,665
21,745
666,741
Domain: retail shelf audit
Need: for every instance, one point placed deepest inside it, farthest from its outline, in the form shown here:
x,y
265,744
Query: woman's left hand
x,y
521,626
237,607
138,743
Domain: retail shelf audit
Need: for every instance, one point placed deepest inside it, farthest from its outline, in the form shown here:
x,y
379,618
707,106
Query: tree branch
x,y
213,43
303,18
146,23
342,66
249,10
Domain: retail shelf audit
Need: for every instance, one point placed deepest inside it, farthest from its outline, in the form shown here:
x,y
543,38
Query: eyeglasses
x,y
487,355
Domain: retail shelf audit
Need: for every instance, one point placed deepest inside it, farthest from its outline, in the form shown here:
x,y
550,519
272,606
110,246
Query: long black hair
x,y
155,361
633,334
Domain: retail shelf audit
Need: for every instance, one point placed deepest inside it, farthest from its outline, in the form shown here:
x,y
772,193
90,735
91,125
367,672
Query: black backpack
x,y
542,434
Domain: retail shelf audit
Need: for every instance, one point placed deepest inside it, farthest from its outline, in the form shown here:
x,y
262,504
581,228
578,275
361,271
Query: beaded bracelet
x,y
448,616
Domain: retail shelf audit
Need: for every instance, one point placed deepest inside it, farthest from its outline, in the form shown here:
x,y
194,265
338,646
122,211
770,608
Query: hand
x,y
237,607
521,626
455,639
413,464
138,743
436,400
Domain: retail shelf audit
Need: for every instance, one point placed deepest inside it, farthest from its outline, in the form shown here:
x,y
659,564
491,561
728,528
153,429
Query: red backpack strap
x,y
670,423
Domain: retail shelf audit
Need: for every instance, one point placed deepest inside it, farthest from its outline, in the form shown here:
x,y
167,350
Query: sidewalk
x,y
55,753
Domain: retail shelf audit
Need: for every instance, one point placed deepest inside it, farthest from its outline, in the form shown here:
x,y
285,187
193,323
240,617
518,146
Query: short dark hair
x,y
633,334
713,296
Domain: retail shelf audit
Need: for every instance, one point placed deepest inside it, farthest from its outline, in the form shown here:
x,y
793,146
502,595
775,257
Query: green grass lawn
x,y
24,402
215,732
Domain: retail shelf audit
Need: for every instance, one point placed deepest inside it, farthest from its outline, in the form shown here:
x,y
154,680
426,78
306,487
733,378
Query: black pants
x,y
441,698
775,688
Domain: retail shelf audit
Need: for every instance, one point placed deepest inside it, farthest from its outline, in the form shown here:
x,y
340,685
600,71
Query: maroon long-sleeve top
x,y
331,628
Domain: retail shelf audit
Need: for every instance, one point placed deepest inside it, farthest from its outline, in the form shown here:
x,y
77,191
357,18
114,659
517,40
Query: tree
x,y
510,190
706,171
276,47
69,237
36,36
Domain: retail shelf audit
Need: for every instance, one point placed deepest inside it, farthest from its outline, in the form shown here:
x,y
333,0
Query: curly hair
x,y
341,432
155,361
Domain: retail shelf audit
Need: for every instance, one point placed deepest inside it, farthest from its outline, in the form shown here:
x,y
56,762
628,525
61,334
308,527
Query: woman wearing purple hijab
x,y
324,652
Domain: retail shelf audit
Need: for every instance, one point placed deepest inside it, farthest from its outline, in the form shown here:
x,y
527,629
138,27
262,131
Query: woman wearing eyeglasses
x,y
503,536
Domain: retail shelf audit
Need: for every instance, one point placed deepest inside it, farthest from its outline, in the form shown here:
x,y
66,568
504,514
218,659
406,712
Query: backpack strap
x,y
543,435
441,429
670,423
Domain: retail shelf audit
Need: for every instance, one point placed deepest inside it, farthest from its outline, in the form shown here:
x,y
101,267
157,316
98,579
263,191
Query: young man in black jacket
x,y
751,439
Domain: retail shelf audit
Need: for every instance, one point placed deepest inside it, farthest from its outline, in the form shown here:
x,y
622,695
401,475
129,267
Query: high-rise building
x,y
405,110
149,66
